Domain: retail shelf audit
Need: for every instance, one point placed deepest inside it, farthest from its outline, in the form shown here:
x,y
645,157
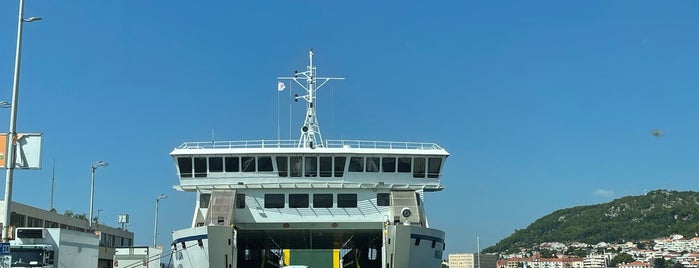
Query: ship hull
x,y
402,246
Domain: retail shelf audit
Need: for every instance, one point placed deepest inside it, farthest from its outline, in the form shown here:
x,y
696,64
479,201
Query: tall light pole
x,y
10,160
92,188
155,229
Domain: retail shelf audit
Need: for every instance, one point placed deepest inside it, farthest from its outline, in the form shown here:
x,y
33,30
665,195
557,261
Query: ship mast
x,y
310,131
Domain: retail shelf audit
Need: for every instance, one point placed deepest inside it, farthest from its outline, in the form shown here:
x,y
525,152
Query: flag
x,y
281,86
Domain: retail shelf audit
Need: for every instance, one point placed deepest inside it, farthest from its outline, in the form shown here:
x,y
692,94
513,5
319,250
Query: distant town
x,y
675,251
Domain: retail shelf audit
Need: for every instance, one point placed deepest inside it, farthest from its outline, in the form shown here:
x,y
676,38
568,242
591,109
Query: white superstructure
x,y
272,203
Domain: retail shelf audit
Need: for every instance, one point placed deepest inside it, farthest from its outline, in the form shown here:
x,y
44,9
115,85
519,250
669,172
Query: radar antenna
x,y
310,131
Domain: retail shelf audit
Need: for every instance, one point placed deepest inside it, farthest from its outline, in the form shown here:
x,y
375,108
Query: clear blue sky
x,y
543,105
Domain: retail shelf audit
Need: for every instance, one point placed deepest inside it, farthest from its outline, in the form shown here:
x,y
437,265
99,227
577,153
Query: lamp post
x,y
155,229
92,188
10,160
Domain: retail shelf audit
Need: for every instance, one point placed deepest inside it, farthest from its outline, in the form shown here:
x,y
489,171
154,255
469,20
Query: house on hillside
x,y
636,264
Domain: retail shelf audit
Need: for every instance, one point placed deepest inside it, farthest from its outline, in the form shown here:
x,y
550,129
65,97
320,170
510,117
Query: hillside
x,y
632,218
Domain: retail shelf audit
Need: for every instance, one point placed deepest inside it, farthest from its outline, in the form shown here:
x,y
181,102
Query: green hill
x,y
633,218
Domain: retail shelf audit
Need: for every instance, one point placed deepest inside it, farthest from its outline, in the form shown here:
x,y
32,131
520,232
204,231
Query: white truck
x,y
137,257
53,248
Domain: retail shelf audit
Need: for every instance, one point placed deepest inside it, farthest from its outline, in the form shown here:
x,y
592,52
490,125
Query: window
x,y
295,162
322,200
340,165
383,199
185,166
274,200
283,166
311,166
215,164
240,201
248,163
34,222
404,164
326,166
434,164
204,200
298,200
232,164
200,167
17,219
372,164
419,167
347,200
264,163
356,164
388,164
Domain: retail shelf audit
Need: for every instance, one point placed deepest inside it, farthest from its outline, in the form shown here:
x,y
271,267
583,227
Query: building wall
x,y
27,216
470,260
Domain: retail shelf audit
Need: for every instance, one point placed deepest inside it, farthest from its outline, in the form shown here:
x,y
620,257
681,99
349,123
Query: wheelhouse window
x,y
204,200
215,164
388,164
298,200
356,164
340,165
240,201
322,200
326,166
311,166
383,199
295,165
283,166
200,167
372,164
347,200
232,164
264,164
404,164
434,165
274,200
248,163
419,167
185,166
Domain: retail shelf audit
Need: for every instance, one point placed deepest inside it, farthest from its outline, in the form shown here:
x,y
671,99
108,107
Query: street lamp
x,y
10,160
155,229
92,188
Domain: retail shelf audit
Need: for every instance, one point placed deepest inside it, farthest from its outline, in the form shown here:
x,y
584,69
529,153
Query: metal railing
x,y
360,144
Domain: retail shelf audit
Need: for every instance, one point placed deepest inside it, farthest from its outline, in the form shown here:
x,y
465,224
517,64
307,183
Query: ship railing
x,y
359,144
362,144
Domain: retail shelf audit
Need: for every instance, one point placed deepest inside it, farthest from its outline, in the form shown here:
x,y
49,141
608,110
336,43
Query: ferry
x,y
309,202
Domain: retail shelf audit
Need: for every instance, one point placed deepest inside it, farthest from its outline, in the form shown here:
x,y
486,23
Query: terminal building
x,y
471,260
110,238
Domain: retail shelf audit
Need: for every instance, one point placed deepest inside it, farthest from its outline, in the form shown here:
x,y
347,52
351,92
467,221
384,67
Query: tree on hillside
x,y
677,265
580,252
659,263
662,263
547,253
622,258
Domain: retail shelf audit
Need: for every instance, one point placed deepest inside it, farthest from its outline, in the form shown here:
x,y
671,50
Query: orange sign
x,y
3,149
